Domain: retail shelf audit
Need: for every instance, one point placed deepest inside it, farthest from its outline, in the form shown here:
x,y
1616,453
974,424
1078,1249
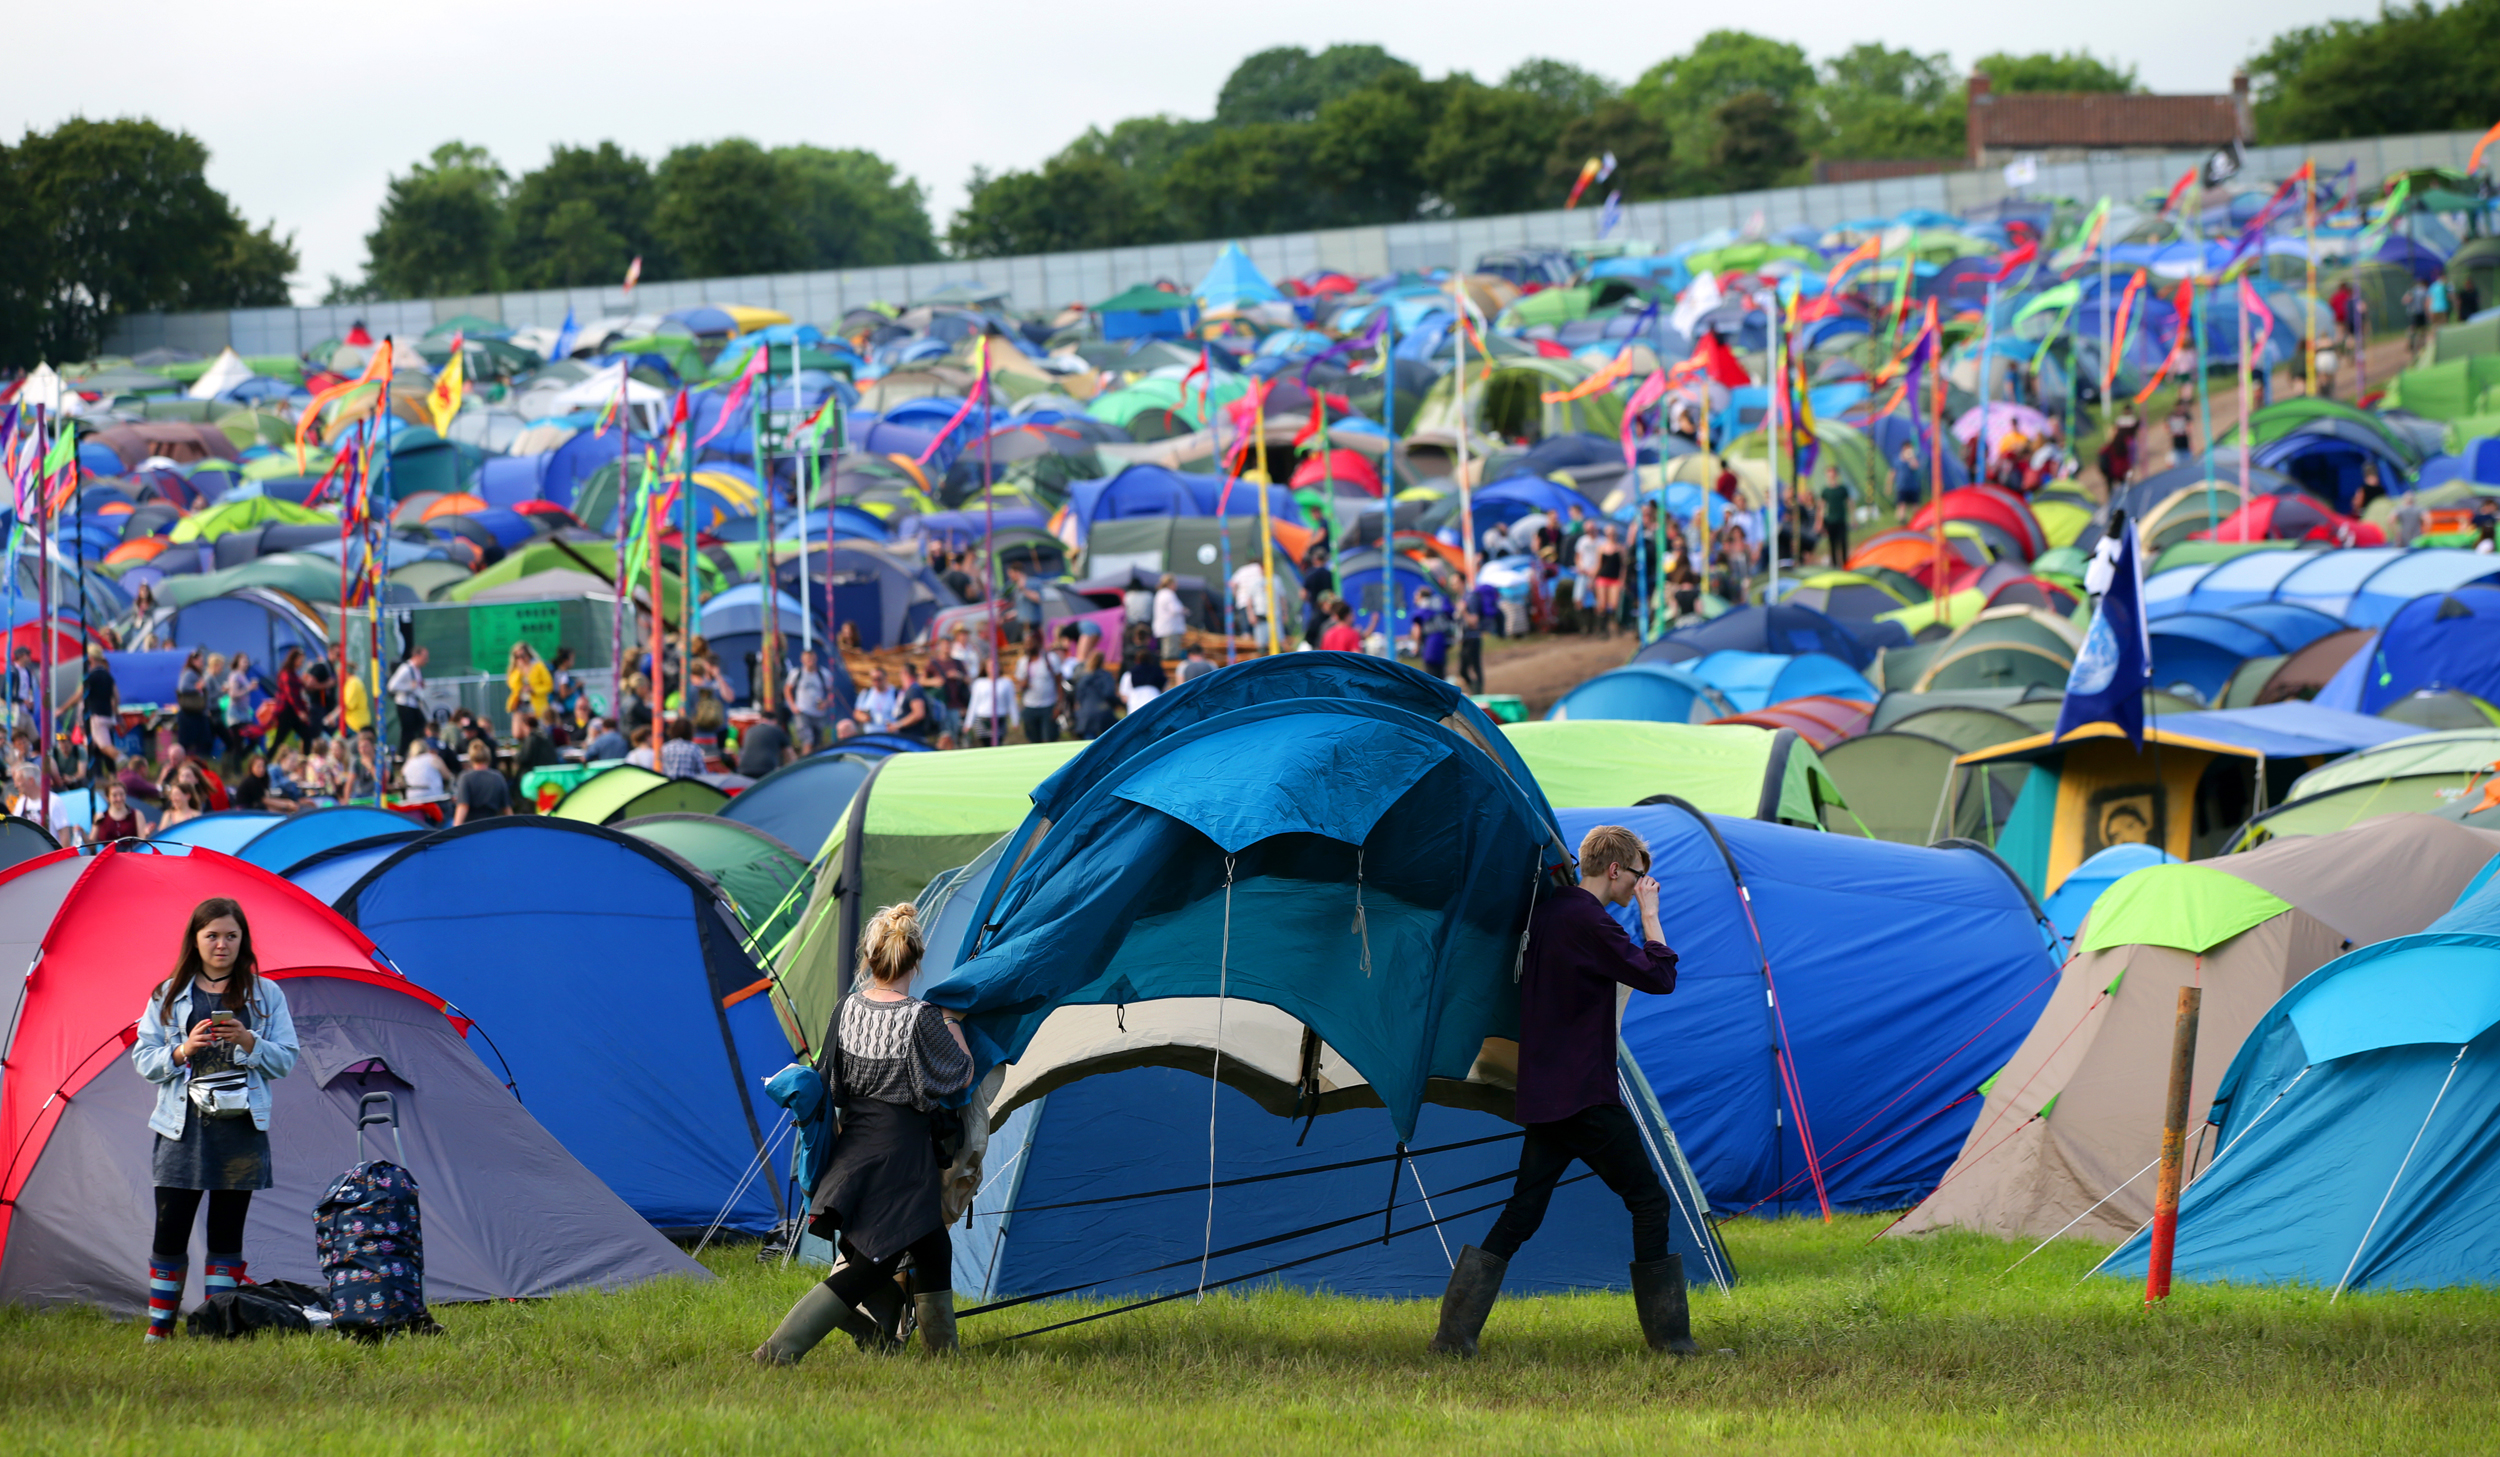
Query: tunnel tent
x,y
508,1213
1646,692
763,878
1734,769
1259,808
629,791
1906,976
1892,787
2358,1099
596,938
2437,709
2071,1127
799,803
2415,771
2032,704
912,818
2447,640
1789,626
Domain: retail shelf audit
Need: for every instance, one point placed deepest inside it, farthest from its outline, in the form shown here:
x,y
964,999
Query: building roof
x,y
2040,119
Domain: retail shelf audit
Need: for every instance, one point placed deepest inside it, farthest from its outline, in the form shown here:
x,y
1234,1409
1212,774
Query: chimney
x,y
2239,104
1977,123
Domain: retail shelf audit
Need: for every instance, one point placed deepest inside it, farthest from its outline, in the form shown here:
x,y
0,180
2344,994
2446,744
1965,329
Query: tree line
x,y
103,218
457,223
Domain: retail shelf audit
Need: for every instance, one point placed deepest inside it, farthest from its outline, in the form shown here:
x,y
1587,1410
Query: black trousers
x,y
1609,1142
932,1259
1471,663
176,1208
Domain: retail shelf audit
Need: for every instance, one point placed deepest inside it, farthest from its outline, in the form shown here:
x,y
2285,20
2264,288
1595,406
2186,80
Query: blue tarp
x,y
2357,1124
1906,977
602,964
2287,730
2451,640
1651,692
1260,803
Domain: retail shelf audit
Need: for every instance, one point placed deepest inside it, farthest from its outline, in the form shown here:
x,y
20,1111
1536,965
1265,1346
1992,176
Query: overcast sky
x,y
307,111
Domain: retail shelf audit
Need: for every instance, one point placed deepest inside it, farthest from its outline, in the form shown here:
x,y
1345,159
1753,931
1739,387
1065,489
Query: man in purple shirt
x,y
1576,956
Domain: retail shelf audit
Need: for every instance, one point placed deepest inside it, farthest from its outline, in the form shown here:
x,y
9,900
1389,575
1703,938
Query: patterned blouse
x,y
900,1052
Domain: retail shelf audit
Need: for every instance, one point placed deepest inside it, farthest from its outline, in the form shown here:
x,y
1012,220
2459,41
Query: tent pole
x,y
2173,1146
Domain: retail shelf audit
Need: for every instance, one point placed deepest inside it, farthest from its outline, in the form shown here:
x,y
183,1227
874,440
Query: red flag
x,y
1722,363
633,273
2014,260
2176,190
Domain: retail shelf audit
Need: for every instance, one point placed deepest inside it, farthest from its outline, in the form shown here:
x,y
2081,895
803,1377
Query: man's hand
x,y
1645,895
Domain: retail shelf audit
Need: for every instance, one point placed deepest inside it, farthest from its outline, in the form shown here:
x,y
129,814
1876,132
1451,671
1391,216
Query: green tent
x,y
1730,769
1895,783
1145,298
2192,907
2450,390
298,574
763,878
629,792
2424,772
917,816
243,515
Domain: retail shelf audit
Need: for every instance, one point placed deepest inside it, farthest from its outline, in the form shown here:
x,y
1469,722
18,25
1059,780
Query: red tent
x,y
1820,719
1988,505
2293,516
1343,465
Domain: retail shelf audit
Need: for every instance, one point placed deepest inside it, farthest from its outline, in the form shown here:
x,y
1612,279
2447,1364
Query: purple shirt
x,y
1576,956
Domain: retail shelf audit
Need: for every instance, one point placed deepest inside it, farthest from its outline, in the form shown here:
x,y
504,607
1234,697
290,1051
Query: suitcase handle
x,y
388,1118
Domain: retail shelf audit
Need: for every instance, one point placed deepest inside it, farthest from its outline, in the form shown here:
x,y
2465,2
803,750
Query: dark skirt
x,y
213,1153
881,1189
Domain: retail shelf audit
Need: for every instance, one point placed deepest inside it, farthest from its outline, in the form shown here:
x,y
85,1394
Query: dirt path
x,y
1541,669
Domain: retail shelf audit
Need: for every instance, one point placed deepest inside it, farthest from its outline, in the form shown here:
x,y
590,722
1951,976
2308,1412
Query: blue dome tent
x,y
2450,640
1365,581
1652,692
1783,627
577,944
1754,681
1906,976
2364,1100
799,802
2075,894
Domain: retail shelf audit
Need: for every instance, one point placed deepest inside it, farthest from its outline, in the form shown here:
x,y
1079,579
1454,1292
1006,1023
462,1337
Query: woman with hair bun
x,y
895,1060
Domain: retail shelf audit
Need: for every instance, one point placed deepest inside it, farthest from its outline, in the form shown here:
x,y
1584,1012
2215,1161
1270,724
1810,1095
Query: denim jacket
x,y
272,1055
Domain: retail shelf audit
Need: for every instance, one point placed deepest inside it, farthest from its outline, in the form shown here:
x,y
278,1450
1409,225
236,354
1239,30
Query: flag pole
x,y
1771,507
802,471
2309,312
43,619
2248,436
616,635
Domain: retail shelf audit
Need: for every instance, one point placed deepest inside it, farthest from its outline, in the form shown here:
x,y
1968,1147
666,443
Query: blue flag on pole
x,y
2116,665
563,347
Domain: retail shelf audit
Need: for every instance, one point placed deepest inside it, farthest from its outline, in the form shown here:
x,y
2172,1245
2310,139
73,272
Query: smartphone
x,y
221,1015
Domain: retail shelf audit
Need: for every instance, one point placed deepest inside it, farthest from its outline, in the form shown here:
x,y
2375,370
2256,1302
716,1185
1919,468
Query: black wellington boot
x,y
1658,1298
1473,1286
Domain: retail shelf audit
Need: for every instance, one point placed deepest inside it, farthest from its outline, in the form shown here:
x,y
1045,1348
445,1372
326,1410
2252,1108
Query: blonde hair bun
x,y
891,946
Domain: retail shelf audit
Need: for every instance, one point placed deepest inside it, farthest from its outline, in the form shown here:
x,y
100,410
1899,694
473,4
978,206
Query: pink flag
x,y
2255,303
737,394
1652,390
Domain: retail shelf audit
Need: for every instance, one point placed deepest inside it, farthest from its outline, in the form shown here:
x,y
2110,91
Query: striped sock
x,y
224,1272
164,1297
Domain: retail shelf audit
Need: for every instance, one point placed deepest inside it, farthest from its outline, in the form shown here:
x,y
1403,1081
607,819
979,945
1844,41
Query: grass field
x,y
1838,1346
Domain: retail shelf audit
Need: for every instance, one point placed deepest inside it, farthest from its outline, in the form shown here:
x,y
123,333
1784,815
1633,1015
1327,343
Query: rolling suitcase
x,y
370,1242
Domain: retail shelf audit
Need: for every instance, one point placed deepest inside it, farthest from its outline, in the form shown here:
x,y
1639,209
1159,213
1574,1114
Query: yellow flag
x,y
377,367
443,401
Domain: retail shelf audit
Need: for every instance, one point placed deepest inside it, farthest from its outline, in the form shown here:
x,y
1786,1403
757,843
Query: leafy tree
x,y
582,218
2414,69
2042,71
1289,84
1878,102
1488,151
727,209
1245,179
1644,153
1075,200
1567,86
1684,93
853,210
441,228
1367,149
1757,142
114,217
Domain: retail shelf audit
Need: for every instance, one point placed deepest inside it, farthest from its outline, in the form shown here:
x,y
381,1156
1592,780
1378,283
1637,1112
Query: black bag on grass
x,y
371,1245
249,1310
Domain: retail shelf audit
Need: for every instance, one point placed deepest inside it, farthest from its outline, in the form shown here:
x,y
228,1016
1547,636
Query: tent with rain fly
x,y
799,803
1732,769
629,791
2365,1100
1904,977
1219,842
21,839
2001,648
572,943
509,1214
1753,681
2359,586
2445,640
275,841
2418,771
2071,1128
764,880
2082,890
1819,718
2197,780
1787,626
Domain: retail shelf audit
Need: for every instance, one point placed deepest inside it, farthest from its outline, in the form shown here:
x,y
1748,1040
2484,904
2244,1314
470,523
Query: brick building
x,y
2098,126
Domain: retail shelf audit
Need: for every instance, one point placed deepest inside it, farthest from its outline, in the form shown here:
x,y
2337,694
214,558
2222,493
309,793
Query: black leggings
x,y
932,1268
175,1209
1609,1142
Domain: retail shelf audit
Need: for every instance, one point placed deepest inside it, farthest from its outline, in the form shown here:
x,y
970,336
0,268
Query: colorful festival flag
x,y
443,401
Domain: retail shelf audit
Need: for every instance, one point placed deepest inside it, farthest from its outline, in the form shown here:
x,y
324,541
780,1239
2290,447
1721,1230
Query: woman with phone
x,y
210,1038
895,1062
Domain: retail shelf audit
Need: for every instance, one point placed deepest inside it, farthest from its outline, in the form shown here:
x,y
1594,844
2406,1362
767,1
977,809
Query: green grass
x,y
1832,1345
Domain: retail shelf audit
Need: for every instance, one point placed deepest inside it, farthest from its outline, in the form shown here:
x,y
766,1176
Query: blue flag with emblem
x,y
2116,665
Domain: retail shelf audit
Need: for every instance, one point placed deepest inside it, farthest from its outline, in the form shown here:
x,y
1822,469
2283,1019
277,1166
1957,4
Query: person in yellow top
x,y
527,676
356,703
